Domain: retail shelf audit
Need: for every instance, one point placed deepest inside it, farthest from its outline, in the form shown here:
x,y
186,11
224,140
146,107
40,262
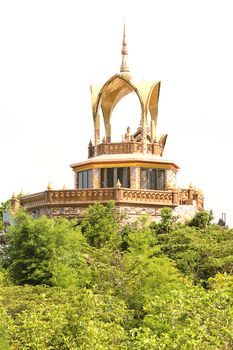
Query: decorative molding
x,y
85,197
124,147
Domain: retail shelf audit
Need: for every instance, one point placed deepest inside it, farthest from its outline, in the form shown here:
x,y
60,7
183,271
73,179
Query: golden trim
x,y
144,164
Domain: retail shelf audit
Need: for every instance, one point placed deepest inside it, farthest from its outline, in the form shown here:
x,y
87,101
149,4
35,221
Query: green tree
x,y
3,207
116,287
147,273
46,251
202,219
101,224
167,222
54,318
199,253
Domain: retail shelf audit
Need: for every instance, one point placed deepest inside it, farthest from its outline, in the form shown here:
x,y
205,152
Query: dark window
x,y
109,177
84,179
152,179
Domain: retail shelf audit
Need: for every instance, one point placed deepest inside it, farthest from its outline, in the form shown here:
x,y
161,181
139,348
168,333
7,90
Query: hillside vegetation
x,y
100,285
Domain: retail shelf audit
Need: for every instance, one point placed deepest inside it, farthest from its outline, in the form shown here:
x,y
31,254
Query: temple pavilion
x,y
132,172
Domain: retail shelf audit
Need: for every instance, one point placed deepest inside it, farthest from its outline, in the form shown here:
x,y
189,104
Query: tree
x,y
46,251
199,253
167,222
44,317
100,225
3,207
116,287
202,219
147,273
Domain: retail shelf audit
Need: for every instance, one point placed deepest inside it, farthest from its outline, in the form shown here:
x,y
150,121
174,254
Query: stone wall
x,y
171,179
185,212
96,178
134,177
68,212
131,213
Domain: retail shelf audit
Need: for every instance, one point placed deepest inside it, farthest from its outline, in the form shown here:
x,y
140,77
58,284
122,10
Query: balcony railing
x,y
119,195
123,148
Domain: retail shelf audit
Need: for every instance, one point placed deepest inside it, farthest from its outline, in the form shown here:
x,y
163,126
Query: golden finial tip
x,y
118,184
190,185
49,187
21,193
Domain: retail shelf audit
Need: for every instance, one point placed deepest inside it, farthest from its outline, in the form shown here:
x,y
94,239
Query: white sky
x,y
50,53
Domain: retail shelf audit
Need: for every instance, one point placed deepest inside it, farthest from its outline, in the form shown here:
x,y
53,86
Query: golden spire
x,y
49,187
124,52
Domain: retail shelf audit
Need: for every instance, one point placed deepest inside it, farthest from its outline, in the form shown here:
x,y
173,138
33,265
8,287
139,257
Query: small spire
x,y
124,52
13,196
49,187
21,193
118,184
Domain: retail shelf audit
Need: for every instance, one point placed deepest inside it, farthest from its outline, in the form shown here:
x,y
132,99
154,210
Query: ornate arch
x,y
117,87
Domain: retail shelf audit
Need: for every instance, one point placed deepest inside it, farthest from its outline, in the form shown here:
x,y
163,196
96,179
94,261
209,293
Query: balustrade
x,y
123,148
103,195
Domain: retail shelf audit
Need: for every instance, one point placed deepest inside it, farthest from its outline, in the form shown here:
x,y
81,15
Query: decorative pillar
x,y
14,203
97,129
144,136
96,178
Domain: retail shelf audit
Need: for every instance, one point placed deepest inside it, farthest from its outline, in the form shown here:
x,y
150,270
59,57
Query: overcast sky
x,y
50,53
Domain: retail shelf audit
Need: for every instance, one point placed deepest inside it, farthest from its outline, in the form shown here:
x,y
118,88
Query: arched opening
x,y
127,113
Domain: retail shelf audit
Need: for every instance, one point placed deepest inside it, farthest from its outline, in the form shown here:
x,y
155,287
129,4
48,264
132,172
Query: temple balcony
x,y
121,196
131,147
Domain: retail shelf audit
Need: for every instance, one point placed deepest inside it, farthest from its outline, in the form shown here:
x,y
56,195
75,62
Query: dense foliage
x,y
103,285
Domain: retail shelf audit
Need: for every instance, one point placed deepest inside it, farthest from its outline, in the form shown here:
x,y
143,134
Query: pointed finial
x,y
21,193
118,184
49,187
124,52
190,185
13,195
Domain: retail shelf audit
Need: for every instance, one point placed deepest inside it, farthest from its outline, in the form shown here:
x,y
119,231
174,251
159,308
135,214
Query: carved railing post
x,y
15,203
190,193
175,198
48,196
118,194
